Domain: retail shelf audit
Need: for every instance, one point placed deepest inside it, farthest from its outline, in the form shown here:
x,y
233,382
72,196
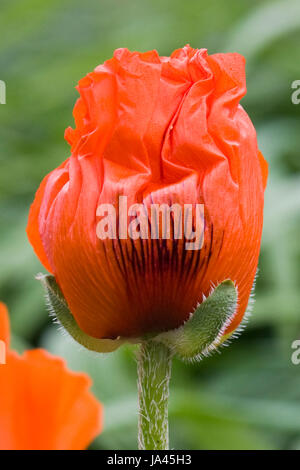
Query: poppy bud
x,y
156,131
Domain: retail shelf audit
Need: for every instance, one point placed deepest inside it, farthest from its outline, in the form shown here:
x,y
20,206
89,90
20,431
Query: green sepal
x,y
203,331
58,308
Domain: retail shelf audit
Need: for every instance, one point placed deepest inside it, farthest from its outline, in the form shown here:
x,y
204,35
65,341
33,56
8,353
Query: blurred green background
x,y
249,396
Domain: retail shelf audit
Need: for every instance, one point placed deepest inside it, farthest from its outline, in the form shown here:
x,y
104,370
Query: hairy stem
x,y
154,372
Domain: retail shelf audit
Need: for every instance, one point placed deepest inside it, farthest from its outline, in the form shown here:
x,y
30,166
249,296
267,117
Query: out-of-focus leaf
x,y
266,23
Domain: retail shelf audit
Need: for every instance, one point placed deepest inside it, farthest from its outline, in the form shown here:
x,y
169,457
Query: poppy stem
x,y
154,372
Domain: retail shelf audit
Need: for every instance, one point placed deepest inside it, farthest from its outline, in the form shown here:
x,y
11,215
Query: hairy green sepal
x,y
203,331
58,308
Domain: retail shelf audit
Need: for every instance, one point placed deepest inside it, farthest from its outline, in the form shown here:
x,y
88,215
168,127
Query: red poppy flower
x,y
43,405
157,130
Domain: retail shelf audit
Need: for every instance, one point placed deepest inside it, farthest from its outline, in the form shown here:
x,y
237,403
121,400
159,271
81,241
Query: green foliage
x,y
247,397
